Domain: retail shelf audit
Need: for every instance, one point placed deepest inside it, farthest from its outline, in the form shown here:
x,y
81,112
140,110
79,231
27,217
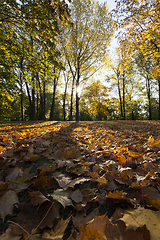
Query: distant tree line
x,y
51,50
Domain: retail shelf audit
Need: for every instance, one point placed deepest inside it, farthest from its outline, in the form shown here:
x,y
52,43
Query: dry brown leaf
x,y
79,218
140,217
7,202
62,197
77,196
62,179
151,196
41,182
3,185
14,174
37,198
58,232
8,236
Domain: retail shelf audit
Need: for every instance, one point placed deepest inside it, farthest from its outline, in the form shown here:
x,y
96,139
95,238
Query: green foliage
x,y
95,102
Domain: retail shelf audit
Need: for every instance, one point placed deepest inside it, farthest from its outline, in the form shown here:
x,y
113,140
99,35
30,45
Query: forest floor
x,y
80,181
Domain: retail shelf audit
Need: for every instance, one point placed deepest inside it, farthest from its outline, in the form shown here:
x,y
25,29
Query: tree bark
x,y
30,101
148,86
64,97
21,87
37,113
33,100
120,97
124,104
40,115
53,98
71,101
77,96
159,97
44,100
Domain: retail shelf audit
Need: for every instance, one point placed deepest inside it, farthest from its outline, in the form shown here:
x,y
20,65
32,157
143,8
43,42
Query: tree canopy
x,y
49,49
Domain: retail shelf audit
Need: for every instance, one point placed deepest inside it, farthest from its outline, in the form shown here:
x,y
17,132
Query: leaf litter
x,y
80,181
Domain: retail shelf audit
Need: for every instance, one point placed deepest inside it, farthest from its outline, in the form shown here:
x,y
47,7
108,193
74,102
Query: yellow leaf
x,y
101,180
115,195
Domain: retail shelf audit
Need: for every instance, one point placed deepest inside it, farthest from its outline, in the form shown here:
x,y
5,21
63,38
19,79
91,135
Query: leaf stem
x,y
19,226
40,221
142,196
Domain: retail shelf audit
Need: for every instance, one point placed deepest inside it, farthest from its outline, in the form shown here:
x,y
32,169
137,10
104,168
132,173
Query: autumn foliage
x,y
80,181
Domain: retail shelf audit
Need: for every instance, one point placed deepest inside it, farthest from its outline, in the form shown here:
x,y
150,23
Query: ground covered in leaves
x,y
80,181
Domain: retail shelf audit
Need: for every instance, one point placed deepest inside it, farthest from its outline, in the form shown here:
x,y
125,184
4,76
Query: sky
x,y
111,3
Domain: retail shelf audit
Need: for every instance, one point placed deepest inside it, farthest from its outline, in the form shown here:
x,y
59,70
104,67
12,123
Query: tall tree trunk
x,y
120,99
53,101
44,100
41,114
77,97
54,94
30,101
37,113
71,101
159,97
124,104
33,100
21,86
64,97
148,86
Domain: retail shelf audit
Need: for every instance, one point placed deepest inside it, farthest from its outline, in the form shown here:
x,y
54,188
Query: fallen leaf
x,y
37,198
7,202
62,197
14,174
101,180
94,230
62,179
58,232
137,218
41,182
77,196
8,236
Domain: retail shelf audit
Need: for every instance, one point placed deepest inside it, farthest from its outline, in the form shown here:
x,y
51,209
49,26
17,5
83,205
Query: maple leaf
x,y
151,196
140,217
14,174
154,143
58,232
100,228
62,197
7,202
8,235
104,162
94,230
62,179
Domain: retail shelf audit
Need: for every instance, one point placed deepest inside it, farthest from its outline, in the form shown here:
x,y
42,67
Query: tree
x,y
140,20
95,102
28,45
85,42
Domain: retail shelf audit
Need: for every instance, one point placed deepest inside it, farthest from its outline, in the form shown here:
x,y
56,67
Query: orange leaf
x,y
154,143
101,180
94,230
94,174
122,160
115,195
